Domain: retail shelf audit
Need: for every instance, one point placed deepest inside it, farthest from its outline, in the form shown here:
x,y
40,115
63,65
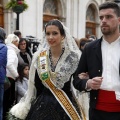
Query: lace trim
x,y
64,69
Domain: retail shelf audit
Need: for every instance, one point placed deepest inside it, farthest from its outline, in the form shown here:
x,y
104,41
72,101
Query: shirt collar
x,y
113,43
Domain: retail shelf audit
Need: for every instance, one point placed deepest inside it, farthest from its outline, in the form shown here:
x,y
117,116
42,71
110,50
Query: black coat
x,y
91,62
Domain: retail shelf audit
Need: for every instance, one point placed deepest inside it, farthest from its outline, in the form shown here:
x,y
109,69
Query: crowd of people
x,y
15,61
17,69
40,83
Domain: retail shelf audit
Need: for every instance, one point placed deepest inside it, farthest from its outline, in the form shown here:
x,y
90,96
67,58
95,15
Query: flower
x,y
17,6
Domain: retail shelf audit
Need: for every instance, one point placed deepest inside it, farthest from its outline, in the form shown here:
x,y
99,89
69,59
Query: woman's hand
x,y
83,76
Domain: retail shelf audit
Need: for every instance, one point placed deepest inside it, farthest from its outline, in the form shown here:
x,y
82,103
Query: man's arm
x,y
80,84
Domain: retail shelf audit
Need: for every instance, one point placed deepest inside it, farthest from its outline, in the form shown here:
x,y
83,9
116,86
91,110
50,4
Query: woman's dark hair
x,y
21,68
58,24
21,40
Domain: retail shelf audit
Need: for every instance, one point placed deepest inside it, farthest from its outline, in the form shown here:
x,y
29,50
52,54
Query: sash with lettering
x,y
59,94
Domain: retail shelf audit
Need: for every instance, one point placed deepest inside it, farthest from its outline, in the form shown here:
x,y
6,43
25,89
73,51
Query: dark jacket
x,y
3,61
91,62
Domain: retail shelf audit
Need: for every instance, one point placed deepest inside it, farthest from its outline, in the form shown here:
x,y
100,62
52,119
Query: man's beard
x,y
108,31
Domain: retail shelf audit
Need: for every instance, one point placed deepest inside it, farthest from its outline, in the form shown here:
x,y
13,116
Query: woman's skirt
x,y
46,107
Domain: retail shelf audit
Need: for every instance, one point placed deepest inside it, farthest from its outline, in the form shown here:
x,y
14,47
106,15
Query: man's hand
x,y
94,83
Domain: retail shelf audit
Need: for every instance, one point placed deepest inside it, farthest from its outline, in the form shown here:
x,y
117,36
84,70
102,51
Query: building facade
x,y
80,16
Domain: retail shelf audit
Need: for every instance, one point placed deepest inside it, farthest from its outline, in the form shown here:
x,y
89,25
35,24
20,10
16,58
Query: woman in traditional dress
x,y
49,96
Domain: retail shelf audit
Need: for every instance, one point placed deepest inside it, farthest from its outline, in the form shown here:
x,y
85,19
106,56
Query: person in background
x,y
3,63
12,42
101,61
77,41
24,56
83,42
92,37
21,84
18,33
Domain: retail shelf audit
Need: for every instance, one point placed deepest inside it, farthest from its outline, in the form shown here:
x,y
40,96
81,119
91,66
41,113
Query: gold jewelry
x,y
54,60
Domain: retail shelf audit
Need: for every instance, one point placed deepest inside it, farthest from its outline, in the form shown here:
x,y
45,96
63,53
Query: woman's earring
x,y
62,43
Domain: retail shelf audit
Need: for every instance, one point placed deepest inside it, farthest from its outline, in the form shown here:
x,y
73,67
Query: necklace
x,y
54,60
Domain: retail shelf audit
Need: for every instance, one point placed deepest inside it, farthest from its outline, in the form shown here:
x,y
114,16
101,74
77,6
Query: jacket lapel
x,y
97,49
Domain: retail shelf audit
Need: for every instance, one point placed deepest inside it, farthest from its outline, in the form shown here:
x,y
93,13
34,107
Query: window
x,y
50,7
90,21
90,14
51,10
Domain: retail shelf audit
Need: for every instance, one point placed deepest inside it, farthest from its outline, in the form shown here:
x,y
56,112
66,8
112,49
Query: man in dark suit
x,y
101,59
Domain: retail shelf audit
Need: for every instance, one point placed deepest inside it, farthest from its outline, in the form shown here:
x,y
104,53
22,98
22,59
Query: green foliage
x,y
17,5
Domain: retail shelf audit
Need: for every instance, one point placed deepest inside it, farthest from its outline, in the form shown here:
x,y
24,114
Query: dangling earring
x,y
62,43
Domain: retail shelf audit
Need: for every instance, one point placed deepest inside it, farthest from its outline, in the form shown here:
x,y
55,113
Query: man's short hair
x,y
17,32
112,5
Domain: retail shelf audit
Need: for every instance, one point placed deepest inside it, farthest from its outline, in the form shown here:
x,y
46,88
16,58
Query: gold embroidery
x,y
65,102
